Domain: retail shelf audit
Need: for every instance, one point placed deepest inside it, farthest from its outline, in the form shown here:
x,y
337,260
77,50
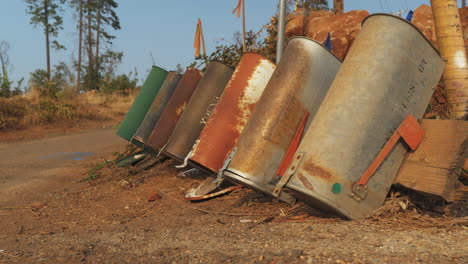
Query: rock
x,y
313,15
345,27
37,205
295,23
125,184
323,22
423,20
153,196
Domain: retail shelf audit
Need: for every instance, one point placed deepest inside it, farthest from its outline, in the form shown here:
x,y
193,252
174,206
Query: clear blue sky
x,y
164,28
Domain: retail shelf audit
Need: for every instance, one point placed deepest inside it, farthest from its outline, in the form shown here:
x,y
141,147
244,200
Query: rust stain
x,y
232,112
174,108
180,109
278,113
305,181
316,170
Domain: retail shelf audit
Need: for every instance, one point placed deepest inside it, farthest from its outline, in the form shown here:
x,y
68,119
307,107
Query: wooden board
x,y
434,168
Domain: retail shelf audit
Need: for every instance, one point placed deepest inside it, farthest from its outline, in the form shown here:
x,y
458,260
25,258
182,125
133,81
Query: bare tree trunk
x,y
90,36
98,33
338,5
89,39
80,48
46,31
463,3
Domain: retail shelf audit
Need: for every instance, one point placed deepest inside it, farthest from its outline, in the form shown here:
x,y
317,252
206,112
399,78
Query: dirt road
x,y
28,169
48,216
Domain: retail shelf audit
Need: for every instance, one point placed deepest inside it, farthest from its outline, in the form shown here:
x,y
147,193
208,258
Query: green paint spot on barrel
x,y
142,103
336,188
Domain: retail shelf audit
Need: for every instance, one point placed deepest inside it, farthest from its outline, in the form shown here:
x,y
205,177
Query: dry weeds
x,y
29,110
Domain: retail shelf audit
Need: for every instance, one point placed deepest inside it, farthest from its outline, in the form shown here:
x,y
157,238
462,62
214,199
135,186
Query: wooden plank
x,y
434,168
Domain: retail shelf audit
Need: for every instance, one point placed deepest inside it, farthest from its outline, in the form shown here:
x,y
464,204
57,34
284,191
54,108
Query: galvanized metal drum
x,y
294,92
174,109
390,72
157,107
232,112
142,103
198,110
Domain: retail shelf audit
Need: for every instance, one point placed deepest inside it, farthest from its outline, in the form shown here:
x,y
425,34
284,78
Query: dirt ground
x,y
110,220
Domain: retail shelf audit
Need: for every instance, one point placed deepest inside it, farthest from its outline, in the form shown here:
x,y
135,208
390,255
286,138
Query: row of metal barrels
x,y
304,129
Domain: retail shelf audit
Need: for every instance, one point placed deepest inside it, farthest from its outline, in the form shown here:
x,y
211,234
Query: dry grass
x,y
31,109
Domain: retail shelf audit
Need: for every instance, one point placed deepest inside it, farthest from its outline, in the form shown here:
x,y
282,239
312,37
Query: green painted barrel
x,y
142,103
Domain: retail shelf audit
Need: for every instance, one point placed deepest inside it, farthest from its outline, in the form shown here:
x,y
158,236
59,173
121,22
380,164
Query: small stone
x,y
153,196
37,205
125,184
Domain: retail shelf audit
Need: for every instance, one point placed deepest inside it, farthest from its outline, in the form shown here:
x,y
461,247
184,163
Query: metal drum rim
x,y
327,202
258,56
191,68
220,62
231,175
157,67
407,22
307,38
172,156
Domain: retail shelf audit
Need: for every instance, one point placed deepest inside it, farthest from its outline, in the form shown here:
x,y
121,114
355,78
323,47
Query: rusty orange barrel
x,y
296,88
232,112
198,110
157,107
390,72
174,109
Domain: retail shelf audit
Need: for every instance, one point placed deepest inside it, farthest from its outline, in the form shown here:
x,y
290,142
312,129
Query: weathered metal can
x,y
390,72
198,110
174,109
142,103
234,108
157,107
297,87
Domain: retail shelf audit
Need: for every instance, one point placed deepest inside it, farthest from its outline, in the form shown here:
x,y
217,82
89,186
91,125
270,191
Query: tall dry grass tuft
x,y
32,109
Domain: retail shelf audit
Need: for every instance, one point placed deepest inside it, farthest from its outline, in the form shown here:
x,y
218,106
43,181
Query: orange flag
x,y
238,8
197,41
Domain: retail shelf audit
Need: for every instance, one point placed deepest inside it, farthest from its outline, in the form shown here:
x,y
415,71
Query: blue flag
x,y
328,43
410,15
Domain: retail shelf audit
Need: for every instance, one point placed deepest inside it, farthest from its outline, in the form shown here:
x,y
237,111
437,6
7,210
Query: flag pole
x,y
244,44
280,34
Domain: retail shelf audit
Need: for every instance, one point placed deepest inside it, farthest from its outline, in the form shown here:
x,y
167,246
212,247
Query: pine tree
x,y
47,15
101,17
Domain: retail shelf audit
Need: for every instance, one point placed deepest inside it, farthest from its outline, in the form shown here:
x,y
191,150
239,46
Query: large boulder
x,y
423,20
343,29
316,25
295,22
